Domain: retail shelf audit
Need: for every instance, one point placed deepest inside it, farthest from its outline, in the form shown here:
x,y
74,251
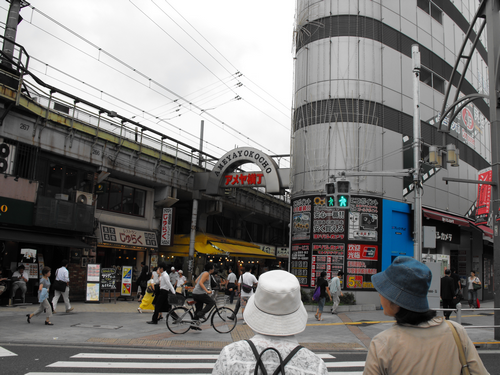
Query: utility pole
x,y
492,13
13,20
417,206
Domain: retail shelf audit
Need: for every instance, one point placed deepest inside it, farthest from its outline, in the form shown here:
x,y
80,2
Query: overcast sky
x,y
174,60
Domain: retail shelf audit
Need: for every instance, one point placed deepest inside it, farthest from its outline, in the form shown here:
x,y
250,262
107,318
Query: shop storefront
x,y
118,247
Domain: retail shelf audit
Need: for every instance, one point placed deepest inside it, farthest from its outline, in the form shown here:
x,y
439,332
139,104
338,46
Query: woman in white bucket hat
x,y
275,313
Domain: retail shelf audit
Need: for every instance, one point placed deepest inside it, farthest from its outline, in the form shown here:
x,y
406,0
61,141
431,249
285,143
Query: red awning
x,y
486,230
445,218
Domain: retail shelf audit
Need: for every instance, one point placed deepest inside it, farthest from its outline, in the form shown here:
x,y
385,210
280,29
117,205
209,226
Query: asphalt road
x,y
56,359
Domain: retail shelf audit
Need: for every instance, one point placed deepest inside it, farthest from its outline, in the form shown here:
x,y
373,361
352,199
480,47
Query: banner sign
x,y
166,227
126,287
483,196
93,290
108,278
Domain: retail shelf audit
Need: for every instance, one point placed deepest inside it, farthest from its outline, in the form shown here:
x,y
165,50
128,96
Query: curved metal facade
x,y
353,100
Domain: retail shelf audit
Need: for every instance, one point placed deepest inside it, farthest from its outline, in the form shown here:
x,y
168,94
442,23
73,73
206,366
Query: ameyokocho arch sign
x,y
224,175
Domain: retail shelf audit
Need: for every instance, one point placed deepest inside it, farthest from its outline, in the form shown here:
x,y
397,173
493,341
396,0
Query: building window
x,y
430,8
432,80
123,199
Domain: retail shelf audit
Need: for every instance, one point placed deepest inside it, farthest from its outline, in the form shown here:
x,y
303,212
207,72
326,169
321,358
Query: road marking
x,y
164,356
6,353
131,365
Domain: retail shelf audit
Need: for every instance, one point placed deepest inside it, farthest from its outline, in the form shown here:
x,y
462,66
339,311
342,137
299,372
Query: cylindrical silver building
x,y
353,112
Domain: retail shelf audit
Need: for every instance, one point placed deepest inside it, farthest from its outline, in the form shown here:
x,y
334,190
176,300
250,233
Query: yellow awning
x,y
214,245
243,251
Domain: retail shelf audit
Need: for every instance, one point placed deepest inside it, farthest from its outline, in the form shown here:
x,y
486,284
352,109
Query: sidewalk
x,y
120,324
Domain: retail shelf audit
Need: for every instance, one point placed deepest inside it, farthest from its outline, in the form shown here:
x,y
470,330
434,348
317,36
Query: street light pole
x,y
417,206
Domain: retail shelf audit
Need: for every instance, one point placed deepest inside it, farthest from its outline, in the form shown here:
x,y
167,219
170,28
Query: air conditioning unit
x,y
7,153
83,198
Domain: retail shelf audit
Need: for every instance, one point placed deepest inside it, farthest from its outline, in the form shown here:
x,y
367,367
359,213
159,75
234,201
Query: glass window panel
x,y
70,180
128,200
436,13
102,199
438,84
424,5
54,181
139,202
426,76
115,197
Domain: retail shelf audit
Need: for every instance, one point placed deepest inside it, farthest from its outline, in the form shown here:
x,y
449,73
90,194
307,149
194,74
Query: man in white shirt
x,y
180,281
174,276
21,277
161,303
249,280
62,274
276,314
231,285
336,291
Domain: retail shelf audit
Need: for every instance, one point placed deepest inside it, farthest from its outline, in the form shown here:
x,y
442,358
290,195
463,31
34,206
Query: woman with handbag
x,y
473,285
420,342
43,294
147,300
322,284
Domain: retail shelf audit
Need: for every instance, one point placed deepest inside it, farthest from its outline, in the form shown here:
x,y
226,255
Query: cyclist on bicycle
x,y
202,292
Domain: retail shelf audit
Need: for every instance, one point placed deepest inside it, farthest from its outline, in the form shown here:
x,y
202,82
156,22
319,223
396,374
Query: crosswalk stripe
x,y
6,353
146,356
345,364
149,365
128,373
163,356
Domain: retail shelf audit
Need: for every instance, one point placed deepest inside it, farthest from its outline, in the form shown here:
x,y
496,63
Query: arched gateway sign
x,y
223,175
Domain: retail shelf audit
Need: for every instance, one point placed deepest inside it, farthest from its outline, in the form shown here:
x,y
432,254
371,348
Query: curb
x,y
345,308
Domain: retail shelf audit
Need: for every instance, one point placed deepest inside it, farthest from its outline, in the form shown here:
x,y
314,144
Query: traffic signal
x,y
330,194
343,197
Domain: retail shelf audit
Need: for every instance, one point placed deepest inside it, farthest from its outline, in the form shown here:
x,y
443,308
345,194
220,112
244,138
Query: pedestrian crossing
x,y
163,364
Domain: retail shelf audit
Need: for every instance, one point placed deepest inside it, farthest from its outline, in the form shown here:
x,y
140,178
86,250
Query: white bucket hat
x,y
276,308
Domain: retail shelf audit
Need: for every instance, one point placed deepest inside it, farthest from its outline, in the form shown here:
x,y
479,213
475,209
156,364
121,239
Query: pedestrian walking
x,y
161,300
336,290
43,295
419,342
246,285
62,274
147,300
473,284
231,285
276,314
324,291
448,290
142,281
181,281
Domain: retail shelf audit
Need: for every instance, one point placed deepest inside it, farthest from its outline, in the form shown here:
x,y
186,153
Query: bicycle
x,y
180,319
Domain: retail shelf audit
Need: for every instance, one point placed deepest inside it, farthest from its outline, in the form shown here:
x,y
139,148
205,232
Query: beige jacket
x,y
428,348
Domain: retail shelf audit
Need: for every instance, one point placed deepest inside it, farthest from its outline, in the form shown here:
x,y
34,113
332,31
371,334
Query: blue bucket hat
x,y
406,283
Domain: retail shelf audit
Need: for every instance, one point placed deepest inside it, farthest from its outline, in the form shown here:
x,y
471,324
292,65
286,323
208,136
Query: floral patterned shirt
x,y
238,358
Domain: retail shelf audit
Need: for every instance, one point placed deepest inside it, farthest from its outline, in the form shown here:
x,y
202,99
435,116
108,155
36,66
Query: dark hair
x,y
21,267
155,269
323,274
209,266
248,268
45,270
341,273
162,265
447,271
64,262
404,316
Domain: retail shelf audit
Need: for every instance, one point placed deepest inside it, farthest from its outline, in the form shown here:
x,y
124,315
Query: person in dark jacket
x,y
448,293
142,281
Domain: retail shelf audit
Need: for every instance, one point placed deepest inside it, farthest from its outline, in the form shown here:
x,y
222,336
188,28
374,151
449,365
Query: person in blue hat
x,y
420,342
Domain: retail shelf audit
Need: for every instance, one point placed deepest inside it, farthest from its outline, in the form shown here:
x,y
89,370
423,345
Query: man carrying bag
x,y
62,282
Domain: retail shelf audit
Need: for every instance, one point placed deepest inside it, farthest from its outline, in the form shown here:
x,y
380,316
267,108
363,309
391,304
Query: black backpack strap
x,y
281,367
287,359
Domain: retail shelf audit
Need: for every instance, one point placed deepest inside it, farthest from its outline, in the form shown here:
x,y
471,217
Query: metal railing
x,y
459,311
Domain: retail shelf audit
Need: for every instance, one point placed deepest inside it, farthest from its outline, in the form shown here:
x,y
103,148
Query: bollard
x,y
459,313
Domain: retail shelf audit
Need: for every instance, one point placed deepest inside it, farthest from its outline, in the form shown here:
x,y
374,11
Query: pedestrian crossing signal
x,y
343,200
343,194
330,194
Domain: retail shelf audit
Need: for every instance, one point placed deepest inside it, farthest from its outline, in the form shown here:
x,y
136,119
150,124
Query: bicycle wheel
x,y
179,320
224,320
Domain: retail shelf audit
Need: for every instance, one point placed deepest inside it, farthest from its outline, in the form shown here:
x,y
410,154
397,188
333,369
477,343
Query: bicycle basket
x,y
176,299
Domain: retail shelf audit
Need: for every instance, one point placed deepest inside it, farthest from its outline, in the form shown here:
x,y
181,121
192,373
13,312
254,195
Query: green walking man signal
x,y
338,194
